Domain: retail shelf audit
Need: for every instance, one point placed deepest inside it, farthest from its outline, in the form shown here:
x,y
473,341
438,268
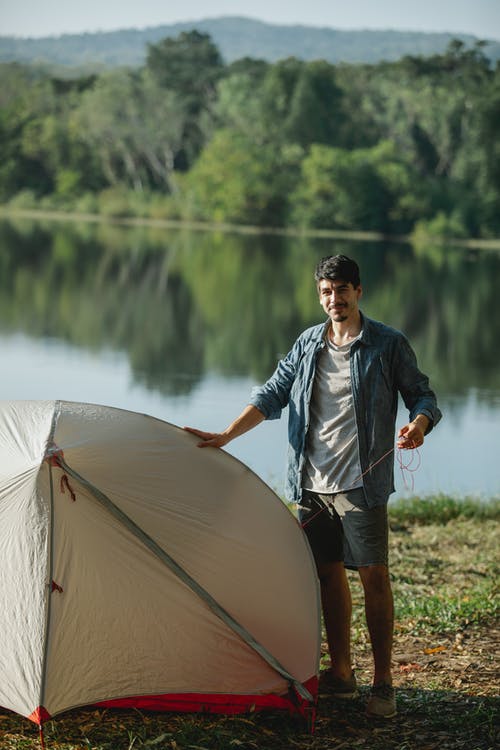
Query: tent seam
x,y
50,556
48,591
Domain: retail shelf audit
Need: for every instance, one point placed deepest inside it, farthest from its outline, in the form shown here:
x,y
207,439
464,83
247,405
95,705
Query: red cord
x,y
404,468
408,467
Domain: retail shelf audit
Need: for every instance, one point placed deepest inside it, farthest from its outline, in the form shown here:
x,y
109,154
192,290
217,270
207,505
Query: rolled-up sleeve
x,y
413,385
272,397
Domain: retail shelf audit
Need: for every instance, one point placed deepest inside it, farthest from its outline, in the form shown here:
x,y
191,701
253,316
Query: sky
x,y
36,18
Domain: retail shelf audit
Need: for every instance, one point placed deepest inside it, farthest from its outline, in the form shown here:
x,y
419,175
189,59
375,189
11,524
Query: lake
x,y
181,324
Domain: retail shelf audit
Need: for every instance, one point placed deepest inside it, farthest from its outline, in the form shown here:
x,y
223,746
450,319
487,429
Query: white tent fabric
x,y
133,564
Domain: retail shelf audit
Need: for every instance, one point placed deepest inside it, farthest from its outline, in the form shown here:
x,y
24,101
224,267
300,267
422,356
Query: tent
x,y
137,570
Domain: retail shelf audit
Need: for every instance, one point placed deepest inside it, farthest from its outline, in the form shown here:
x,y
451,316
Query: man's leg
x,y
323,528
379,609
337,607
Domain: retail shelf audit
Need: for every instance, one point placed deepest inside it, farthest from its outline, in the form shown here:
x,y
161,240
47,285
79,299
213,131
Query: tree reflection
x,y
120,292
181,303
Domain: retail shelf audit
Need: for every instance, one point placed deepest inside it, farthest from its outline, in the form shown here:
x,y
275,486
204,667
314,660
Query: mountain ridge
x,y
236,37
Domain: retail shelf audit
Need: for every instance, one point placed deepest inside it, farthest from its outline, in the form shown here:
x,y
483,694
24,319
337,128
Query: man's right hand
x,y
209,439
249,418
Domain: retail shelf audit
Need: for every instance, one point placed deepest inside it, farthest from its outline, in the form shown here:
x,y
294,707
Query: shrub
x,y
439,230
24,199
114,202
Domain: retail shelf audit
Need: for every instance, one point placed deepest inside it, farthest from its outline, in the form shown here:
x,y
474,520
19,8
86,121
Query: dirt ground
x,y
447,696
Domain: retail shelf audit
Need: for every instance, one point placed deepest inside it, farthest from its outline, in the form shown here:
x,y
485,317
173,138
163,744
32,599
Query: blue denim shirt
x,y
382,364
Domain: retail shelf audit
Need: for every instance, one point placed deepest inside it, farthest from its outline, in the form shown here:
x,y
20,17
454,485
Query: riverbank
x,y
7,212
444,568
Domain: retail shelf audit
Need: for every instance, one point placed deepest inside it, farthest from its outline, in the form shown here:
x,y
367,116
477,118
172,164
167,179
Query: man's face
x,y
339,299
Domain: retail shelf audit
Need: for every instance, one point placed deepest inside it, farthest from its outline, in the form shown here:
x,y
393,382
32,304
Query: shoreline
x,y
200,226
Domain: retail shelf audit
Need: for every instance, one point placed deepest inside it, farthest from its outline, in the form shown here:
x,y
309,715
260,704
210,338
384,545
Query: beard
x,y
339,314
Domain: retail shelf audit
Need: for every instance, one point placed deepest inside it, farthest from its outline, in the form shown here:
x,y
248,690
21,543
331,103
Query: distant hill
x,y
236,37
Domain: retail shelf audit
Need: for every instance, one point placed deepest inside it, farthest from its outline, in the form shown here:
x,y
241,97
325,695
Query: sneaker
x,y
339,688
382,701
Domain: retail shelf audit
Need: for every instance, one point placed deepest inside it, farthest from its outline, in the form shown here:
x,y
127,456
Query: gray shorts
x,y
341,527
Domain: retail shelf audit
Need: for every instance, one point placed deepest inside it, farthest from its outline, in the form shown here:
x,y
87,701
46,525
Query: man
x,y
341,381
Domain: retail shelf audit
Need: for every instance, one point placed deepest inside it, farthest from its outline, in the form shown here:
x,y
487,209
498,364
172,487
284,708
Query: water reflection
x,y
99,287
181,304
181,324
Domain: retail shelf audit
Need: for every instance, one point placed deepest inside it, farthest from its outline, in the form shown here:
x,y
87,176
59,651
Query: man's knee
x,y
331,572
375,577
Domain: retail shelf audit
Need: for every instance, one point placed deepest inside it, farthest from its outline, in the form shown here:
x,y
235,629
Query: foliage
x,y
399,147
236,181
355,189
440,229
136,128
186,68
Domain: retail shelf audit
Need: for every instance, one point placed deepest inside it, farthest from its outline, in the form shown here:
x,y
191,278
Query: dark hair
x,y
338,267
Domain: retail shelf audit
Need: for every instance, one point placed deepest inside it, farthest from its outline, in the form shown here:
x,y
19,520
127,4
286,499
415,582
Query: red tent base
x,y
209,703
217,703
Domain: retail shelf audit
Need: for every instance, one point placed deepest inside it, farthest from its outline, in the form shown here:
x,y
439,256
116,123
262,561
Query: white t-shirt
x,y
332,456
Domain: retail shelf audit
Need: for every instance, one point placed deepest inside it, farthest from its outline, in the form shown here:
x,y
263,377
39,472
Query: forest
x,y
410,147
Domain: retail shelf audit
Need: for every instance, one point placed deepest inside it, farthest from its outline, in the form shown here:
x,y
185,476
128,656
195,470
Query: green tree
x,y
189,67
341,189
488,168
238,105
431,108
105,117
38,135
291,102
237,181
315,113
135,127
21,95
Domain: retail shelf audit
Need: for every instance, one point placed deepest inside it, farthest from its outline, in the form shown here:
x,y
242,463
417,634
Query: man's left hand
x,y
412,434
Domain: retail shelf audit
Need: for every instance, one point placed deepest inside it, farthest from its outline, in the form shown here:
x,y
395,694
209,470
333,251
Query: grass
x,y
444,569
443,558
440,509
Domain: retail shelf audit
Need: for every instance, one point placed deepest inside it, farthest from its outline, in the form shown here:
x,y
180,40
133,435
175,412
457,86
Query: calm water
x,y
181,325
